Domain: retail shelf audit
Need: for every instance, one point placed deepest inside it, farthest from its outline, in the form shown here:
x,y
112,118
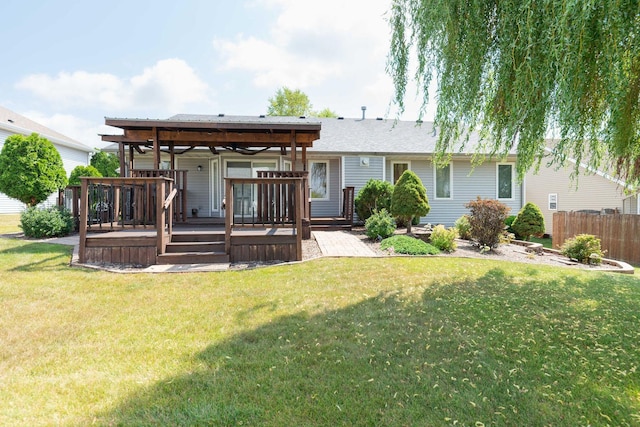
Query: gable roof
x,y
16,123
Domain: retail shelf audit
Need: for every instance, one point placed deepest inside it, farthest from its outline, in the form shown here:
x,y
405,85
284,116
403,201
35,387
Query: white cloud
x,y
72,126
313,42
167,86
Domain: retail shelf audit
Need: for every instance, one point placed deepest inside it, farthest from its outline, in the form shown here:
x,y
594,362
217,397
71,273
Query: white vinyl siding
x,y
356,175
593,192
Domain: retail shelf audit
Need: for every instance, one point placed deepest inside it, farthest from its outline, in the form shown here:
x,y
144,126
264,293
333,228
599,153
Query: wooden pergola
x,y
245,135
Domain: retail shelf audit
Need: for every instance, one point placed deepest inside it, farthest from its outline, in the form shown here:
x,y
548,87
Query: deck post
x,y
300,205
228,218
160,217
82,225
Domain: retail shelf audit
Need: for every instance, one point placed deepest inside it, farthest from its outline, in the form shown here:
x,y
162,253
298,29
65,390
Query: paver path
x,y
341,243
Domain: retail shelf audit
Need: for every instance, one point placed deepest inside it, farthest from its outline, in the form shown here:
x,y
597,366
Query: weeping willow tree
x,y
516,69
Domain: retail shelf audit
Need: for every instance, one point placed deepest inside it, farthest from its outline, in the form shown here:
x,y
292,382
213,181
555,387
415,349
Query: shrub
x,y
48,222
463,227
584,248
486,219
402,223
80,171
380,225
529,222
409,199
508,221
444,239
408,245
375,195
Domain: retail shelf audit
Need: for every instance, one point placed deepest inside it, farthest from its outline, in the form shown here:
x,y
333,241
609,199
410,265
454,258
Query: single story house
x,y
347,153
73,153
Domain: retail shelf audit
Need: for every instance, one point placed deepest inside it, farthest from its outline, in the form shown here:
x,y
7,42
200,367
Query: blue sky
x,y
67,64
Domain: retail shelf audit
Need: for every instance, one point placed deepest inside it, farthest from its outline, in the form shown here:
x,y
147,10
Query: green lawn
x,y
9,223
357,342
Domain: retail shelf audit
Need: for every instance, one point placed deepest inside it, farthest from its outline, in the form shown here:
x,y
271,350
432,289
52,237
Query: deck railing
x,y
179,177
116,204
279,203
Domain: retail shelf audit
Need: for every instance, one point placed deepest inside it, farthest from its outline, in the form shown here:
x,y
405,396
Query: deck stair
x,y
331,223
195,247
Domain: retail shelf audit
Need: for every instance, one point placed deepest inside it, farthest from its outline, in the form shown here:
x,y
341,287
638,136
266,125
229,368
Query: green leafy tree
x,y
287,102
106,163
529,222
409,199
80,171
375,195
515,69
30,169
326,113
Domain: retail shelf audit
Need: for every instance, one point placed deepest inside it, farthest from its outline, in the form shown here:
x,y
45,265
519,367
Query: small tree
x,y
409,199
80,171
486,218
30,169
375,195
106,163
529,222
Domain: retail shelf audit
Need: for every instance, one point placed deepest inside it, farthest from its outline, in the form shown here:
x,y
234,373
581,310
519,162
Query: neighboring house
x,y
554,190
348,154
72,152
630,205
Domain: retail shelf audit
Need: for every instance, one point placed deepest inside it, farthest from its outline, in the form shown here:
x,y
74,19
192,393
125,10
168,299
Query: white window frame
x,y
216,185
553,198
328,184
398,162
513,181
435,182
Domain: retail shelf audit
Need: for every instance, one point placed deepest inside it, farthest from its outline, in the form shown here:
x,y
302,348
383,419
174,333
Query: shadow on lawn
x,y
495,350
49,256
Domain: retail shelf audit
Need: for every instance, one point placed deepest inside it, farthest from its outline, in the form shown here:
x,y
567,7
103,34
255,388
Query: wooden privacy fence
x,y
619,234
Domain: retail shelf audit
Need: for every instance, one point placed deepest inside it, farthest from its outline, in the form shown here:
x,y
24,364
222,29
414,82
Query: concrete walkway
x,y
341,243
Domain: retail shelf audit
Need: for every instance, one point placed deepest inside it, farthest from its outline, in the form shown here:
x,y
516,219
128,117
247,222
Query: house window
x,y
505,181
553,201
319,180
398,169
443,182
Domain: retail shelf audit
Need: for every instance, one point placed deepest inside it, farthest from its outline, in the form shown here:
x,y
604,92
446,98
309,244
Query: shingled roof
x,y
16,123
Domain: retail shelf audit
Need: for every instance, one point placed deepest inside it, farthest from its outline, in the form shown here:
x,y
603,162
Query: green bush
x,y
584,248
407,245
486,219
380,225
80,171
463,227
508,221
529,222
409,199
374,196
47,222
444,239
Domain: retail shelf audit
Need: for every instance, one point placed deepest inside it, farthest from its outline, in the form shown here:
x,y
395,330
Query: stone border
x,y
618,266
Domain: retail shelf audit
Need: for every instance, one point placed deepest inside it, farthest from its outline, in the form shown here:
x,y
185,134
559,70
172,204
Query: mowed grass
x,y
9,223
358,342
